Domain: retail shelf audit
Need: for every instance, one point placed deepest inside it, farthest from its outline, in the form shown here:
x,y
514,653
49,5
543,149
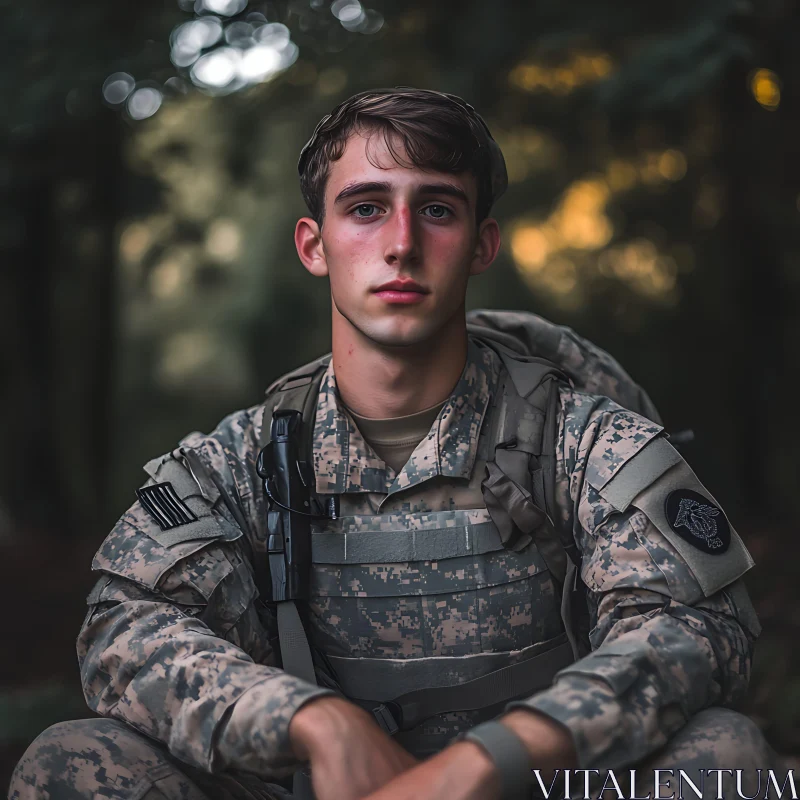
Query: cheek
x,y
353,241
450,243
348,254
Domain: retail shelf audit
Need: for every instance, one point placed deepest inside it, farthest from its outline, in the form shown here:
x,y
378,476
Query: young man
x,y
438,569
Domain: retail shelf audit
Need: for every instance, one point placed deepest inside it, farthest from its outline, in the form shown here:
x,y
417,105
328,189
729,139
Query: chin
x,y
399,333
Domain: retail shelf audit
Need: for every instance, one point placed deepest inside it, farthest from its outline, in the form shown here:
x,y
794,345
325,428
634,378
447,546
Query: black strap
x,y
510,756
298,392
301,786
500,686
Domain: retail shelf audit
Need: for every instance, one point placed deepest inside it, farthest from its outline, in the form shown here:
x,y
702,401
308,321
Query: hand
x,y
350,755
464,771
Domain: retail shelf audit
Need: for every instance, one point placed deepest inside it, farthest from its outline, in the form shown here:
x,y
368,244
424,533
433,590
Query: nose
x,y
401,237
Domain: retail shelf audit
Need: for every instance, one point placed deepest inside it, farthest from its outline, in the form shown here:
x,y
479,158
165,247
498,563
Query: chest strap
x,y
368,678
294,392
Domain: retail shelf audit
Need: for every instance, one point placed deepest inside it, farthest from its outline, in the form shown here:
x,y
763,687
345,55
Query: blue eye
x,y
369,208
437,212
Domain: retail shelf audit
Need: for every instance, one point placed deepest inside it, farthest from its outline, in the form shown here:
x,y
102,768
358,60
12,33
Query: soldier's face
x,y
398,244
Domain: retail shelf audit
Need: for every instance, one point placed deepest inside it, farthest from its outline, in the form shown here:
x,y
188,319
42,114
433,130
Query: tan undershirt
x,y
396,438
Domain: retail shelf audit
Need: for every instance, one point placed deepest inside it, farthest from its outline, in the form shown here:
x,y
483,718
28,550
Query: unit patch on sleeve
x,y
164,506
698,521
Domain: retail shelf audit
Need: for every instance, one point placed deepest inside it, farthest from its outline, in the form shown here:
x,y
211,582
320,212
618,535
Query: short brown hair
x,y
437,131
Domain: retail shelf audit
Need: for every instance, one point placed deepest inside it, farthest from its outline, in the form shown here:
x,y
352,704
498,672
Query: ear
x,y
487,247
308,241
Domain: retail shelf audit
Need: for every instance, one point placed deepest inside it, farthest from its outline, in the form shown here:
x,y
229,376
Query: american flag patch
x,y
164,506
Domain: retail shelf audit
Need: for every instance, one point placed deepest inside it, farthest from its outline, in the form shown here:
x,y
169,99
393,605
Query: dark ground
x,y
46,580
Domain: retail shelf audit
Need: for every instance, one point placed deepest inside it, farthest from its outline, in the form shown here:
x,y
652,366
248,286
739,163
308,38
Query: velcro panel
x,y
712,570
171,470
384,547
627,435
639,472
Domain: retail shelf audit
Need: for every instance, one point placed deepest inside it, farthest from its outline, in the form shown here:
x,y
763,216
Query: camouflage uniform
x,y
177,647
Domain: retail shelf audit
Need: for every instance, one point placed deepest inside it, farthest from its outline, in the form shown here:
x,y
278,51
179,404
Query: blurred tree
x,y
60,166
150,283
613,118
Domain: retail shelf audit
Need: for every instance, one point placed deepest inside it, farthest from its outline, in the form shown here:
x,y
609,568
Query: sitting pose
x,y
456,554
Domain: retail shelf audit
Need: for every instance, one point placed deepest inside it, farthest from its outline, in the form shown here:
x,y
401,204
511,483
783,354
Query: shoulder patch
x,y
658,482
164,506
698,521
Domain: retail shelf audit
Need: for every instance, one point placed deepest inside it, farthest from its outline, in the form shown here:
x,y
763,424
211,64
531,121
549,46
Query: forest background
x,y
149,283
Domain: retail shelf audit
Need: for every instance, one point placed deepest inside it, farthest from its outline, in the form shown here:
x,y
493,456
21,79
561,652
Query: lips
x,y
404,292
401,286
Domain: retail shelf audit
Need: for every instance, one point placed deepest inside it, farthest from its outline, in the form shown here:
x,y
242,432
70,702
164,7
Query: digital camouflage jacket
x,y
178,644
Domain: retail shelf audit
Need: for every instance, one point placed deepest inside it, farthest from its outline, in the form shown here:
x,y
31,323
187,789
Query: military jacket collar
x,y
344,461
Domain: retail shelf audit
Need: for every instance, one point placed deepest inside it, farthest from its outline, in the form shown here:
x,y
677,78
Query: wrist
x,y
319,721
549,742
466,765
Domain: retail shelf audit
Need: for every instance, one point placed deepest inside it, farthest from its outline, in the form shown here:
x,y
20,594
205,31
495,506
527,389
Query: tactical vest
x,y
503,559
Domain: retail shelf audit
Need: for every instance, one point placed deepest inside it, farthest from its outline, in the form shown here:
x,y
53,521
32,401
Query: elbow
x,y
96,660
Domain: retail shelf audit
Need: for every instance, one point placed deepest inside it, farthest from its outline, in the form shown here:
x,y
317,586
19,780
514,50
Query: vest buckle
x,y
385,719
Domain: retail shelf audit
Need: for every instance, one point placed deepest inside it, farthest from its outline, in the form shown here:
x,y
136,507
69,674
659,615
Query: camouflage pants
x,y
102,758
716,739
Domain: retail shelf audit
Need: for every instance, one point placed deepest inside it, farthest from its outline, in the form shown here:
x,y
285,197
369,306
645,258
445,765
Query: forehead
x,y
369,157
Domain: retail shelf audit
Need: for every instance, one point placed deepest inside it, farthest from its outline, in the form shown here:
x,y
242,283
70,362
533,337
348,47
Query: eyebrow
x,y
376,187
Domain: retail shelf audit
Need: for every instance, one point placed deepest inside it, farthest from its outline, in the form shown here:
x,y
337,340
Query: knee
x,y
720,738
735,736
73,759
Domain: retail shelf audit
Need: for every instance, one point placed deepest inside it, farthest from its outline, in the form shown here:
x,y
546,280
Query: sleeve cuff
x,y
589,709
255,737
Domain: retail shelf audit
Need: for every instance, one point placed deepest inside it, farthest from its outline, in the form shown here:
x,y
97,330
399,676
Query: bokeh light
x,y
117,87
766,88
217,69
355,18
144,102
347,10
225,8
220,55
273,34
581,68
258,63
189,39
570,247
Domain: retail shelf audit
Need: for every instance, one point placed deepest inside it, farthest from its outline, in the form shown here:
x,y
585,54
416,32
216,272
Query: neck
x,y
380,381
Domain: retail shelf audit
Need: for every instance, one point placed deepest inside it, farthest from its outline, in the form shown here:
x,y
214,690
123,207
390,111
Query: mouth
x,y
401,291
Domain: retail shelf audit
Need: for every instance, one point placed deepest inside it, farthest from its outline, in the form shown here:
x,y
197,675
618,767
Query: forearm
x,y
165,673
465,770
651,673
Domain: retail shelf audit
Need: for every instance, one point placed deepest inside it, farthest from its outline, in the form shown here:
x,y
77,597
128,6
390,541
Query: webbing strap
x,y
508,501
298,393
519,488
501,686
302,788
529,374
295,650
